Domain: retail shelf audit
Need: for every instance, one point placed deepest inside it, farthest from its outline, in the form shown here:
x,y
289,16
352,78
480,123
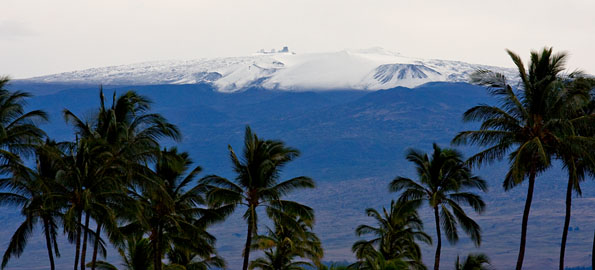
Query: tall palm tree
x,y
291,238
395,237
32,190
171,207
18,129
257,183
86,178
474,262
133,134
19,136
523,124
443,182
576,144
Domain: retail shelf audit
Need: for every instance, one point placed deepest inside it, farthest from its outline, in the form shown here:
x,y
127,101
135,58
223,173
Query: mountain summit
x,y
368,69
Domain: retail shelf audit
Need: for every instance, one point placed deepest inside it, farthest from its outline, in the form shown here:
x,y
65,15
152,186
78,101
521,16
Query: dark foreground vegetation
x,y
115,184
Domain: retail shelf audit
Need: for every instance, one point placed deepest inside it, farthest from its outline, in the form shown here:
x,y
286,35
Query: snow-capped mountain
x,y
369,69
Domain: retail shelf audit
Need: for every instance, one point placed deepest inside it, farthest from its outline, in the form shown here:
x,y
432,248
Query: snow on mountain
x,y
370,69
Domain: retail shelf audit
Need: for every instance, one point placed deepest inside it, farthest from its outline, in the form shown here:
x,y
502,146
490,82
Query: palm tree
x,y
443,181
192,259
18,129
19,136
576,144
32,190
136,254
395,237
375,261
523,124
257,183
83,180
132,134
291,238
371,259
169,207
474,262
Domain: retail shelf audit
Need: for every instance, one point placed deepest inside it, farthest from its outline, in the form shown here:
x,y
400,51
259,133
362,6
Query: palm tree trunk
x,y
154,245
248,242
85,235
439,244
157,252
519,263
96,245
48,242
156,259
78,239
567,217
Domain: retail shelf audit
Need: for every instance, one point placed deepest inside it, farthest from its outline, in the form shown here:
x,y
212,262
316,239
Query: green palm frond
x,y
18,241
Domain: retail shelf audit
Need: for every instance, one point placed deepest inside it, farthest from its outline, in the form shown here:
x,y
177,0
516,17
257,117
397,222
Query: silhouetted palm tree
x,y
170,207
371,259
126,133
84,181
257,183
184,258
577,142
291,240
19,136
474,262
132,133
32,190
443,181
395,236
136,254
522,125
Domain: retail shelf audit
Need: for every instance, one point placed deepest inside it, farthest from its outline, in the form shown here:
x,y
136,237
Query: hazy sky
x,y
50,36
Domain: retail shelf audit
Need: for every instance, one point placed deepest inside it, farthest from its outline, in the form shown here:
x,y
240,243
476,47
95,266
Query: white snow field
x,y
369,69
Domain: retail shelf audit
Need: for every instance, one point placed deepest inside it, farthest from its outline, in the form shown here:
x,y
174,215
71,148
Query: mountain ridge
x,y
369,69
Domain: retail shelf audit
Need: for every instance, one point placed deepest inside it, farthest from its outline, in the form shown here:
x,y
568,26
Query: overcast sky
x,y
44,37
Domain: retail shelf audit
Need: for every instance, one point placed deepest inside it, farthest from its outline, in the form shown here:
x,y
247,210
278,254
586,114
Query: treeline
x,y
114,184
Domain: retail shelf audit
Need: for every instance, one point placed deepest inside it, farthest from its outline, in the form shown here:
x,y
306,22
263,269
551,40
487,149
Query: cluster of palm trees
x,y
114,183
550,116
547,116
444,182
